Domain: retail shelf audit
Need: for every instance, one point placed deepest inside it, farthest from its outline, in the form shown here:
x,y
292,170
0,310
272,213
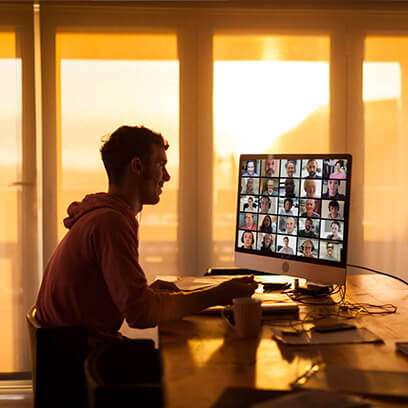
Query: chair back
x,y
58,355
126,373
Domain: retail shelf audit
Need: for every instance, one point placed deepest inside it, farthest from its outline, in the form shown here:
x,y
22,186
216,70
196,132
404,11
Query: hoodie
x,y
94,279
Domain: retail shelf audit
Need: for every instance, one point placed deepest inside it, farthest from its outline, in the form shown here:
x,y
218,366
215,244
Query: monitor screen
x,y
294,208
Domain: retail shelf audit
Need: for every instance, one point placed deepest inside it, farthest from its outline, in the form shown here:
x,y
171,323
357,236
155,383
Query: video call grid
x,y
313,172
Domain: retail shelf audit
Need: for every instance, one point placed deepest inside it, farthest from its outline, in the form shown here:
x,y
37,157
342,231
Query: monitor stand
x,y
312,289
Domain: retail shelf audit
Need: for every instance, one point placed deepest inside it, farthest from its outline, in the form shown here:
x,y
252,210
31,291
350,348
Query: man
x,y
333,190
286,249
335,231
271,167
330,252
269,188
312,168
250,205
290,225
290,188
308,230
94,279
334,210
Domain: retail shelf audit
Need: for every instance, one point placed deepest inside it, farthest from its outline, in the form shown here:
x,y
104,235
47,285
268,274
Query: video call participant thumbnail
x,y
313,169
248,221
311,188
287,225
331,189
289,188
330,251
250,169
287,206
339,170
310,208
269,187
250,205
270,167
333,209
335,233
265,224
286,245
267,204
308,227
290,168
308,248
249,185
247,239
266,243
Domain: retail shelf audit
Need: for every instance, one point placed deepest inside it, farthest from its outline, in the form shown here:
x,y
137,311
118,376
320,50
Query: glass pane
x,y
271,95
385,87
10,205
103,88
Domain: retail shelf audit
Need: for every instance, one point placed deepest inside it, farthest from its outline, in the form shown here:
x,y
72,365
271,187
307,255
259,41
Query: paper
x,y
361,335
194,283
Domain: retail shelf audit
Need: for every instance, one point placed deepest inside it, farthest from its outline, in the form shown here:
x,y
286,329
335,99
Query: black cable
x,y
379,272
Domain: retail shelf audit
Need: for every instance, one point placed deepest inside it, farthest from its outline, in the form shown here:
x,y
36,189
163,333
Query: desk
x,y
202,357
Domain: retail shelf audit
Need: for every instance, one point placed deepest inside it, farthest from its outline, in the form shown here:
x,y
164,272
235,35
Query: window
x,y
271,94
106,80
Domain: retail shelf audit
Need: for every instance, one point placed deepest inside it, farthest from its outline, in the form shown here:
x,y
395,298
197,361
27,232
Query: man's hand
x,y
164,286
235,288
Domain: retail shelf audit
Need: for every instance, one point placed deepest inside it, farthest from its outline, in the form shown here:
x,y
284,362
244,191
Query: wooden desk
x,y
202,357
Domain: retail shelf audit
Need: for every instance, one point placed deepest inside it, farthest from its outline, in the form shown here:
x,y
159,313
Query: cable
x,y
379,272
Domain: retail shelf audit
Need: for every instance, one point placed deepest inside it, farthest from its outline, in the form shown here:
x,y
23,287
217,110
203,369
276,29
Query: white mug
x,y
247,316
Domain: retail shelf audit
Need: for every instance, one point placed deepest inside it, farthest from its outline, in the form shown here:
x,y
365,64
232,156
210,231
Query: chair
x,y
126,373
58,355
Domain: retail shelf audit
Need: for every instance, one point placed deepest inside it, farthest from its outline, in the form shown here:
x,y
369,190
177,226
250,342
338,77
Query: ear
x,y
136,166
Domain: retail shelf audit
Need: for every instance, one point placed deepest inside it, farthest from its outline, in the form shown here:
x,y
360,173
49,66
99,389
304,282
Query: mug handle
x,y
228,318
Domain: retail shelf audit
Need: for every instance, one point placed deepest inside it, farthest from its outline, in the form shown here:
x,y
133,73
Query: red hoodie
x,y
94,279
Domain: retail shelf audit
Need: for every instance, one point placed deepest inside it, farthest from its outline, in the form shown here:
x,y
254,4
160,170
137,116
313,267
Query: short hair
x,y
288,200
335,222
252,236
334,204
124,144
290,161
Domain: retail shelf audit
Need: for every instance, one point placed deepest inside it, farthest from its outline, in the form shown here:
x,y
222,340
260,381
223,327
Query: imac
x,y
292,215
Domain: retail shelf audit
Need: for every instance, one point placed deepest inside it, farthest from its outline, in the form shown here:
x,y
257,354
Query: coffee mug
x,y
247,316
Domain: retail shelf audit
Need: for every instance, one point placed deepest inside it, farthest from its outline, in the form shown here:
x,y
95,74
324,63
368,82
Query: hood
x,y
93,202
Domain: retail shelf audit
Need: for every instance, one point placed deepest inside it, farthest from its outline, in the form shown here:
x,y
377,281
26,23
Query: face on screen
x,y
294,206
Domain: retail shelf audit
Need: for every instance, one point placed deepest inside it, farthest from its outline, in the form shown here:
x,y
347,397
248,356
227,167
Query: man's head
x,y
269,186
136,157
335,227
290,225
329,248
289,186
270,166
333,208
308,224
285,241
311,167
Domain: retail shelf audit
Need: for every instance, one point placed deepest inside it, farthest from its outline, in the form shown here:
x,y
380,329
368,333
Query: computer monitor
x,y
292,215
